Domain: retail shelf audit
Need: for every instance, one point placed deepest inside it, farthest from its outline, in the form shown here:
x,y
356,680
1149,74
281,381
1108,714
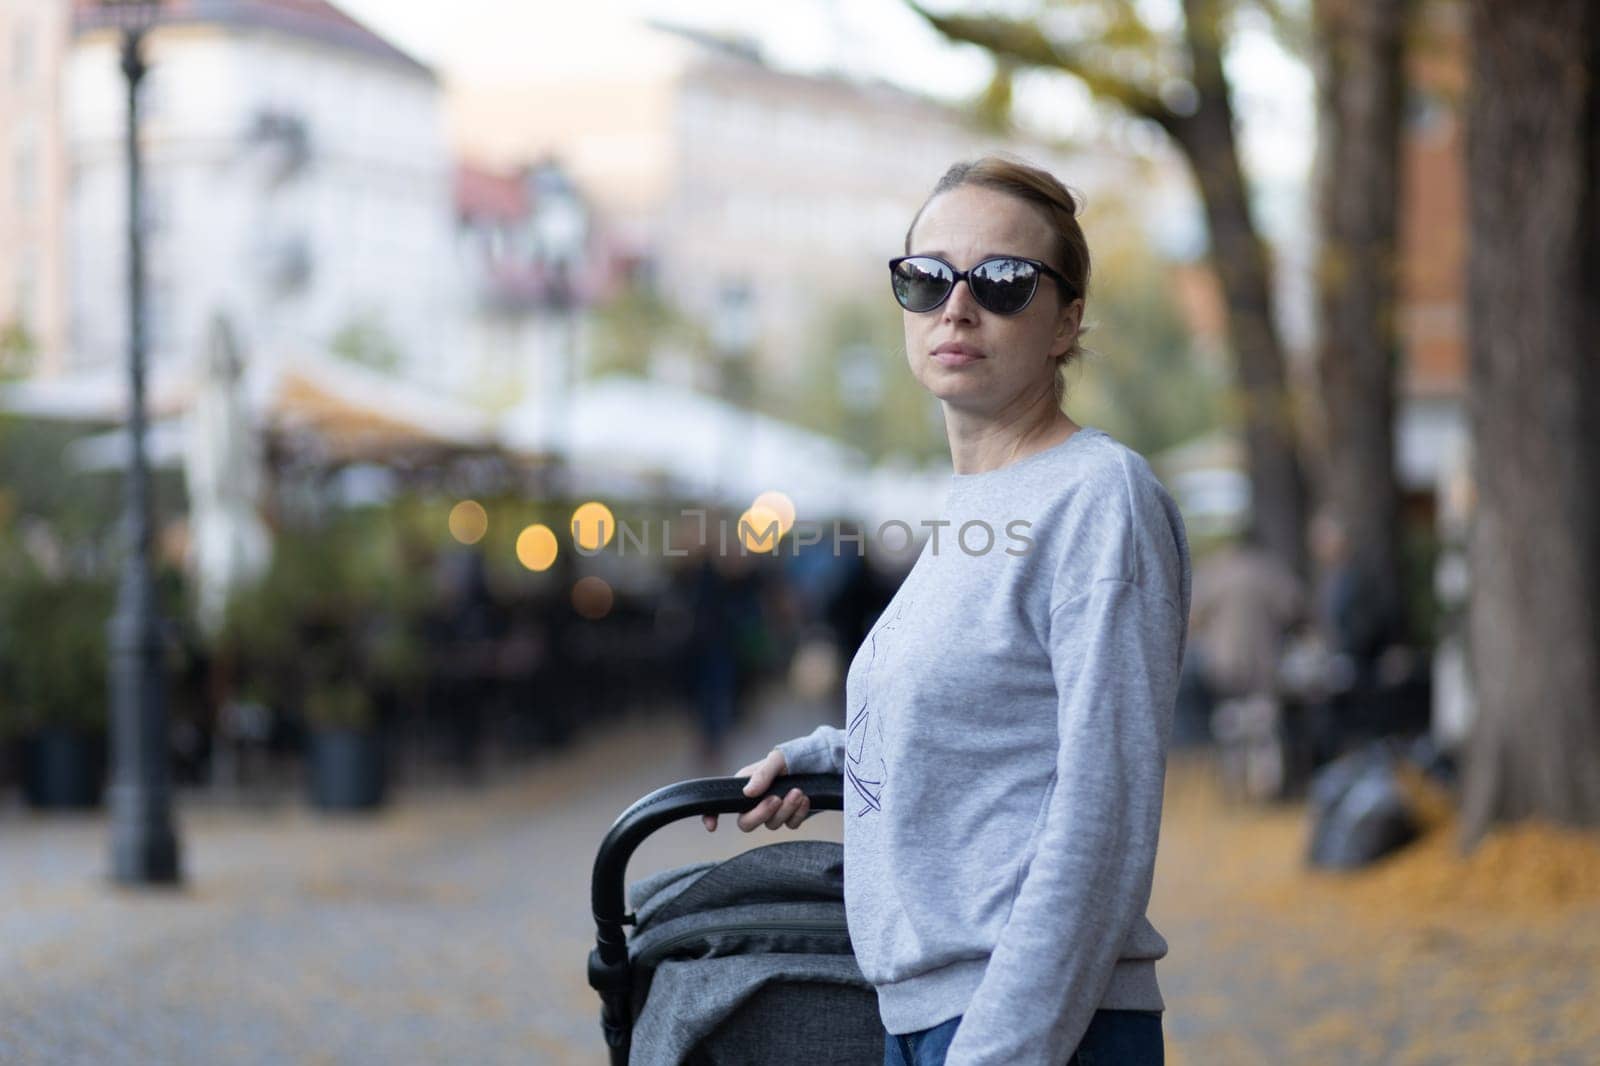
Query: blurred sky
x,y
489,41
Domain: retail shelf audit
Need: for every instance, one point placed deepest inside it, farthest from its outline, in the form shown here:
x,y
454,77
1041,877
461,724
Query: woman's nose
x,y
959,305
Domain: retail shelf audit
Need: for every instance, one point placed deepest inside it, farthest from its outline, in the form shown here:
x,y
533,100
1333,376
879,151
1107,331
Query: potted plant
x,y
299,637
10,725
10,712
346,767
57,536
54,631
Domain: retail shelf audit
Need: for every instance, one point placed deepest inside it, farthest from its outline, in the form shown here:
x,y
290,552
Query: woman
x,y
1007,717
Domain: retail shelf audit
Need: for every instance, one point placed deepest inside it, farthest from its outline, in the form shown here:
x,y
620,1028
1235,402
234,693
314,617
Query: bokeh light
x,y
593,525
468,521
780,505
760,529
536,547
592,597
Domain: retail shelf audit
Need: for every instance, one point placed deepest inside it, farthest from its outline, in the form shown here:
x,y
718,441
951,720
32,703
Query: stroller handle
x,y
671,803
608,962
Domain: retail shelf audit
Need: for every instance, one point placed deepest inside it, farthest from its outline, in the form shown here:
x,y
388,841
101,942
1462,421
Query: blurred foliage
x,y
1421,547
18,349
367,342
60,554
892,413
1134,55
338,609
55,600
77,508
993,106
638,325
1143,379
53,647
634,325
340,705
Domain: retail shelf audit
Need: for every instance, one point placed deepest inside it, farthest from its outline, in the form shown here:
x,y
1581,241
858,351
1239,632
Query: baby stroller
x,y
731,963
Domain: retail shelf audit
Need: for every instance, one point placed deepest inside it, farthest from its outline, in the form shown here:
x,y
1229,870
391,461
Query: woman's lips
x,y
955,355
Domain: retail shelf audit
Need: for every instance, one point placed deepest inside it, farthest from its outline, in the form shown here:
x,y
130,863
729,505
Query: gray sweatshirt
x,y
1004,751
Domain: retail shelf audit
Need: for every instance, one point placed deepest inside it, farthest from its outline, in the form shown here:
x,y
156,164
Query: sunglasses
x,y
1004,284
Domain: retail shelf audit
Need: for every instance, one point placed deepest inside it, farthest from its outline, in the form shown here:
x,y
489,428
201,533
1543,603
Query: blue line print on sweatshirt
x,y
865,728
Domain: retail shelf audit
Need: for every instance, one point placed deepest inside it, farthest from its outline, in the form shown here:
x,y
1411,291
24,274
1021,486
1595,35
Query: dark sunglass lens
x,y
920,284
1004,286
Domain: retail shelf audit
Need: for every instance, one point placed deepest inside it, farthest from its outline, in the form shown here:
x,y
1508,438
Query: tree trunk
x,y
1271,444
1533,164
1361,89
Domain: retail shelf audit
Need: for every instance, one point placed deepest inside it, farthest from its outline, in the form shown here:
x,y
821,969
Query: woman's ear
x,y
1068,321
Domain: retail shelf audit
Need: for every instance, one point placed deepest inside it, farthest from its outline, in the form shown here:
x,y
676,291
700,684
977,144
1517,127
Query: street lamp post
x,y
561,236
144,846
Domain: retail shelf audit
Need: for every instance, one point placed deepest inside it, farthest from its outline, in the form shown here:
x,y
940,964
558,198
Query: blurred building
x,y
33,170
533,257
298,183
1432,435
718,172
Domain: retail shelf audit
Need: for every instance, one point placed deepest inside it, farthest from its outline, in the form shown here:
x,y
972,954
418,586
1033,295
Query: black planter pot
x,y
346,770
63,769
10,764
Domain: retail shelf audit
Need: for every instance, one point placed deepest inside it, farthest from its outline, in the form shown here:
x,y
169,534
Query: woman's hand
x,y
773,812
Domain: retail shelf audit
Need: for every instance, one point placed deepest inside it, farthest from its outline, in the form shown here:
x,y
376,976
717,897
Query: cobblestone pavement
x,y
1272,963
449,929
454,928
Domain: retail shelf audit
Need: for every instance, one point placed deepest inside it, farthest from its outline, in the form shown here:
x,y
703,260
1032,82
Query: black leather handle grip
x,y
705,795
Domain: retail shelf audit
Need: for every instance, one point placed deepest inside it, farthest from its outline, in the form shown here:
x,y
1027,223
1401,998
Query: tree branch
x,y
1293,29
1026,44
1125,27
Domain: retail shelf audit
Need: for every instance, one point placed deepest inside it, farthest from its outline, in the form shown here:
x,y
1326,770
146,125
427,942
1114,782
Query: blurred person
x,y
814,578
1008,715
1374,685
524,655
765,617
1357,617
566,680
716,611
815,572
1245,603
860,597
867,588
460,632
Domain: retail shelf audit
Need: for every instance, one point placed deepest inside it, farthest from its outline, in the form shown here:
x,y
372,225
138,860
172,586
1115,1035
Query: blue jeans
x,y
1114,1038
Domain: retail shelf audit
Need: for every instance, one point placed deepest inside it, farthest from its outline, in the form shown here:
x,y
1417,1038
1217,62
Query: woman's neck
x,y
980,445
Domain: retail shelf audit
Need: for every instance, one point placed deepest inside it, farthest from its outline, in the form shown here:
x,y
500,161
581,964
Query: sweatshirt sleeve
x,y
1115,651
819,752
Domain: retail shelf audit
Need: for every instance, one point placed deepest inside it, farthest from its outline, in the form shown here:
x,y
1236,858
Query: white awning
x,y
701,445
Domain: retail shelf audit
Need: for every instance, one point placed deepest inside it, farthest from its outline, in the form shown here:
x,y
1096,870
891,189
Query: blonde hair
x,y
1058,205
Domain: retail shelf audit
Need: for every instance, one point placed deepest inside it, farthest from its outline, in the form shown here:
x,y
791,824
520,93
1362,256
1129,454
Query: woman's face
x,y
998,360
